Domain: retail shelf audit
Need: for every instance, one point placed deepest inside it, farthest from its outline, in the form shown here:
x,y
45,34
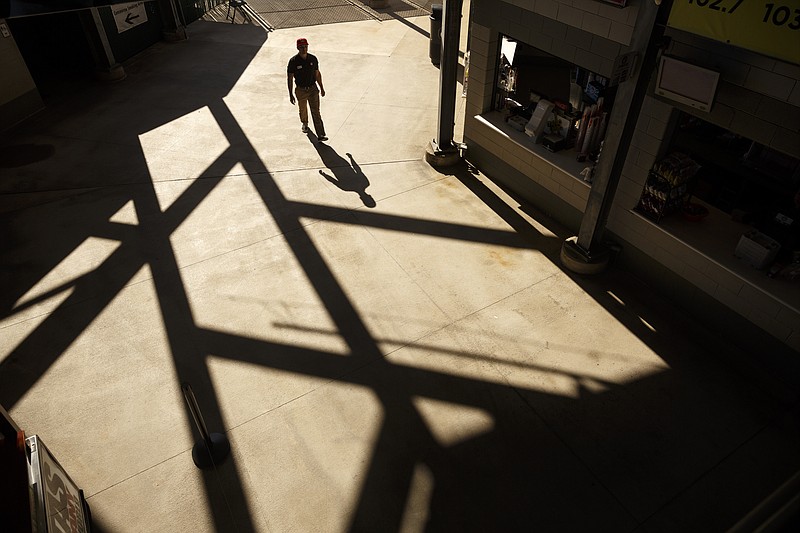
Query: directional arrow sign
x,y
128,16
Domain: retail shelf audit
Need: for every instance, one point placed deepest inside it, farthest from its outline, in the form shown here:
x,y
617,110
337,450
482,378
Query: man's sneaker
x,y
322,138
305,127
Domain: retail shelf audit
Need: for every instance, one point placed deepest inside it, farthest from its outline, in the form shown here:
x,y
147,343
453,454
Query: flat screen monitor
x,y
686,83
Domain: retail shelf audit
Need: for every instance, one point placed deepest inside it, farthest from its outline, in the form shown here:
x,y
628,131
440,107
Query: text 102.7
x,y
778,15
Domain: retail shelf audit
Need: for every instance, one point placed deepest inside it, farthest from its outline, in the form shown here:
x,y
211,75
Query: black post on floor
x,y
214,448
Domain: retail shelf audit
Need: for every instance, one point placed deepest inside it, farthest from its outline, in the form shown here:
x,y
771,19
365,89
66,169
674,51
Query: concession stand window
x,y
559,105
751,194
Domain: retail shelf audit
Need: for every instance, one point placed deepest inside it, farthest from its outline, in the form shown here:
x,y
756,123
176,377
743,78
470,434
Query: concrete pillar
x,y
174,30
443,151
587,253
106,66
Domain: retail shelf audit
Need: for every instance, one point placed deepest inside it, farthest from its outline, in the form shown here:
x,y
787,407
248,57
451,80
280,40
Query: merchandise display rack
x,y
667,186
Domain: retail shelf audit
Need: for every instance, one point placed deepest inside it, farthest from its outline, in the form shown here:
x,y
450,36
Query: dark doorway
x,y
54,47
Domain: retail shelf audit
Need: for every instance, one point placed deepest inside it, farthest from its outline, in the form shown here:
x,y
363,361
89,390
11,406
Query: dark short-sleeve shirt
x,y
304,70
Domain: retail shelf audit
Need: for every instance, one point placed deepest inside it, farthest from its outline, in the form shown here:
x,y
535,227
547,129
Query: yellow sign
x,y
769,27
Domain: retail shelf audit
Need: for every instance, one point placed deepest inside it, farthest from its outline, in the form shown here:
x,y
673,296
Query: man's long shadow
x,y
347,175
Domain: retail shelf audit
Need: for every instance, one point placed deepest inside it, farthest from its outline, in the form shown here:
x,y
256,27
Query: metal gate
x,y
191,10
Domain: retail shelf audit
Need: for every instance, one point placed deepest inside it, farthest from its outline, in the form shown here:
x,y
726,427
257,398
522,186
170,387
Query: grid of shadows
x,y
389,478
499,480
148,244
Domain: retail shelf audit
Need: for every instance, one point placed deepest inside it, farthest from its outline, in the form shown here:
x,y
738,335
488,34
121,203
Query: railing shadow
x,y
530,466
72,213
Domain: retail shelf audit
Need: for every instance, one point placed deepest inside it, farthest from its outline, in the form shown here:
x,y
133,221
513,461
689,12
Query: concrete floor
x,y
423,364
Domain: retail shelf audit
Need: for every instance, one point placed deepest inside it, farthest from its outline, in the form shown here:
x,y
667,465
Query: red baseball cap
x,y
302,42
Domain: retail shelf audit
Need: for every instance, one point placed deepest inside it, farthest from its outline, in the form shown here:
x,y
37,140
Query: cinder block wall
x,y
585,32
758,97
19,97
483,50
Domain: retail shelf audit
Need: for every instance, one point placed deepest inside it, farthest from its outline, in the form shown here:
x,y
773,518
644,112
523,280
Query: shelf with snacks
x,y
667,188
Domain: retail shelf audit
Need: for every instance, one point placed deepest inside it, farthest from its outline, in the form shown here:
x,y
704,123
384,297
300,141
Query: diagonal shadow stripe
x,y
356,335
187,352
434,228
333,367
42,347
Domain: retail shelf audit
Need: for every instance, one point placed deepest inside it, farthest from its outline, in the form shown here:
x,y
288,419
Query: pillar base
x,y
208,454
442,158
113,73
580,261
176,35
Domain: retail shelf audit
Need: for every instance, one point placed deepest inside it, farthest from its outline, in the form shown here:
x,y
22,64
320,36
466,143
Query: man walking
x,y
304,69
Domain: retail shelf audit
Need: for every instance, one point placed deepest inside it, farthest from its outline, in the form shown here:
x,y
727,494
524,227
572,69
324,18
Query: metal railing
x,y
191,10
